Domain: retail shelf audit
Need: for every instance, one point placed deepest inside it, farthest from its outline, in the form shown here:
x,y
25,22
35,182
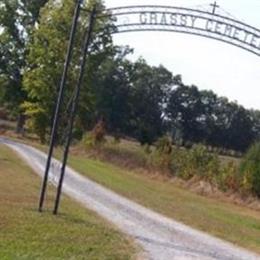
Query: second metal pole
x,y
74,106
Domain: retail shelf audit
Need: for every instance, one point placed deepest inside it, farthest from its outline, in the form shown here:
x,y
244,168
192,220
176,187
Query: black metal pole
x,y
74,106
59,101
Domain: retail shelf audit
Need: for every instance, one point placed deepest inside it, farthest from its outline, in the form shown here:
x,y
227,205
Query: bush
x,y
96,137
164,145
37,120
99,132
196,161
205,164
161,157
228,178
250,169
180,164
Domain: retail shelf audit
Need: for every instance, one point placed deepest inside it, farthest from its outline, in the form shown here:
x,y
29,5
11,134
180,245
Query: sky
x,y
209,64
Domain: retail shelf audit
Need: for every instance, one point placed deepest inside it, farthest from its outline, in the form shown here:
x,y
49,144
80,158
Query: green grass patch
x,y
76,233
224,220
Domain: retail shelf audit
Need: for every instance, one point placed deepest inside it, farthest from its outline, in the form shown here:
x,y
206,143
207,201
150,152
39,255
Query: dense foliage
x,y
17,20
202,116
133,99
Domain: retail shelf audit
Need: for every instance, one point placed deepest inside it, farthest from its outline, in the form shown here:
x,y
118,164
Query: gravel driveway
x,y
159,236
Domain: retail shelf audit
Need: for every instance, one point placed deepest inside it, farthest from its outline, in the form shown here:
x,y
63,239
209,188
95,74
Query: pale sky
x,y
209,64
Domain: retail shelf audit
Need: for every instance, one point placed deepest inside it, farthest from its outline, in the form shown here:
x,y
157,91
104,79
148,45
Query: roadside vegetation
x,y
115,165
240,176
145,175
223,219
76,233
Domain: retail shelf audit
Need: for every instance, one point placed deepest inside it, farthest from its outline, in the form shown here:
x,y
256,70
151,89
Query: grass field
x,y
74,234
236,224
224,220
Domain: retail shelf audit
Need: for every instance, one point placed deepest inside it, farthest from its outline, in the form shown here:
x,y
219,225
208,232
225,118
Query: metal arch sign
x,y
186,20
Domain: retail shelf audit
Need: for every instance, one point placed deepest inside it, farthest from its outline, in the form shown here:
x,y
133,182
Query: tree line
x,y
133,98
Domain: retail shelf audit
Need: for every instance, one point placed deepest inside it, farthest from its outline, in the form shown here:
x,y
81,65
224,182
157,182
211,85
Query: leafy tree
x,y
233,127
209,102
238,131
185,110
17,19
204,117
33,7
150,86
131,97
46,58
113,90
47,52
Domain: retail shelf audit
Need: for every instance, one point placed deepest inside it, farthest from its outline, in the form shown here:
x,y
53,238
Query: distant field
x,y
25,234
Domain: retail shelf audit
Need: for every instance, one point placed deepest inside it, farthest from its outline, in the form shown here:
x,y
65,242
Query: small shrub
x,y
37,120
228,178
196,161
250,169
99,132
164,145
96,137
206,164
161,157
180,164
213,168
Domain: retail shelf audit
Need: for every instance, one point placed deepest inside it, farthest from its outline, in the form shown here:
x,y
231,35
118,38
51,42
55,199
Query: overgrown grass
x,y
225,220
222,173
74,234
124,153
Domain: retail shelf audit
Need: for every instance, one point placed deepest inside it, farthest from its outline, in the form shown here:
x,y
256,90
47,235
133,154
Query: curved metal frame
x,y
123,24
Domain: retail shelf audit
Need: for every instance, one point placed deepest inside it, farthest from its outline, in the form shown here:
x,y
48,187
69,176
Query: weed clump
x,y
228,177
250,169
196,161
161,157
96,137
